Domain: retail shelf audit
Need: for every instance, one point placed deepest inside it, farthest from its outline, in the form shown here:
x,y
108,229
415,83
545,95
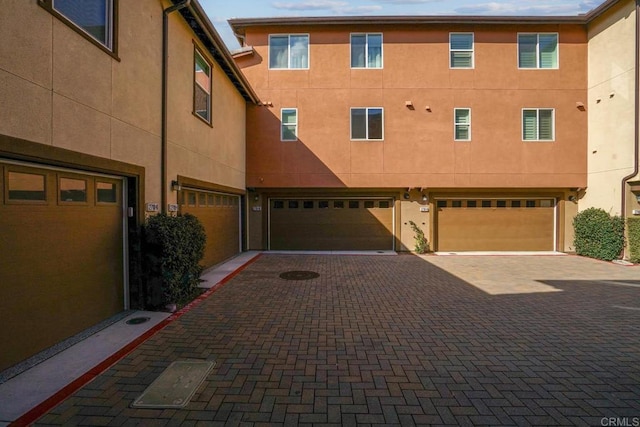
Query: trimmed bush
x,y
174,245
598,234
633,225
422,244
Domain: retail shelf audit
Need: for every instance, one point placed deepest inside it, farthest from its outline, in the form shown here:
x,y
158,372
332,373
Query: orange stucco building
x,y
473,128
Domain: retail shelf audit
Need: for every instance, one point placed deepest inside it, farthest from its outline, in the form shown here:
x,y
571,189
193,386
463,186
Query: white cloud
x,y
310,5
331,6
521,8
407,1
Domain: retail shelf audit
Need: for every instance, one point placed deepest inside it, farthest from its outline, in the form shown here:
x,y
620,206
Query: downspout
x,y
163,135
623,211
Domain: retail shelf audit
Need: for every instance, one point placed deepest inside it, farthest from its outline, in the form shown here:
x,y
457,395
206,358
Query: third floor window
x,y
366,50
289,51
538,50
461,50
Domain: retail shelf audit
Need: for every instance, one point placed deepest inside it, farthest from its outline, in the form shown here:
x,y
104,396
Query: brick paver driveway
x,y
395,340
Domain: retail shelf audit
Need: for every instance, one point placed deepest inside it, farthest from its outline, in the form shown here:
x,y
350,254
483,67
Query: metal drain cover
x,y
299,275
175,387
137,320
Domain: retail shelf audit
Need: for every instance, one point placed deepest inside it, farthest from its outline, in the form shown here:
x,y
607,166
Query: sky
x,y
221,10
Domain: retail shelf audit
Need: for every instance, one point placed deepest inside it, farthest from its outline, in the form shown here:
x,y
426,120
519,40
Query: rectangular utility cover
x,y
175,387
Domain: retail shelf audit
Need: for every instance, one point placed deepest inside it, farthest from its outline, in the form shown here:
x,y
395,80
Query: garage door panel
x,y
61,266
220,217
331,228
496,229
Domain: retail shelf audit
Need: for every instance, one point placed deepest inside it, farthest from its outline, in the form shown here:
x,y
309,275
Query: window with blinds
x,y
462,124
461,50
538,124
538,50
289,127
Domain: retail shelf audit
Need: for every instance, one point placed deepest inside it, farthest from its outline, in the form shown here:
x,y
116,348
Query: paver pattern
x,y
392,340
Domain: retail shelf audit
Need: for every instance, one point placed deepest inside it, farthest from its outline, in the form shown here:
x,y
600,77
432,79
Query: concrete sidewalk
x,y
399,340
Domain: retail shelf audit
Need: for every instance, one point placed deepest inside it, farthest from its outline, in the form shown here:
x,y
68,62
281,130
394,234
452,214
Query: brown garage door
x,y
61,256
495,225
220,216
331,224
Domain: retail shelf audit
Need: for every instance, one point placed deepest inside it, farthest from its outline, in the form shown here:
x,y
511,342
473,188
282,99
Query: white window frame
x,y
282,125
209,90
472,50
455,124
288,35
366,51
553,124
367,120
537,67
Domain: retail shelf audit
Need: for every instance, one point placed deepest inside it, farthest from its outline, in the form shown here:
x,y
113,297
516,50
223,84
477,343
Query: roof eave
x,y
197,19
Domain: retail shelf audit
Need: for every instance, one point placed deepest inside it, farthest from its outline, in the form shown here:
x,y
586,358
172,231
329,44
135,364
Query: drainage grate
x,y
137,320
175,387
299,275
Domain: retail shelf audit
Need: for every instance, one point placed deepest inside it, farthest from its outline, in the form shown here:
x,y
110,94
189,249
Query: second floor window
x,y
538,124
289,128
94,19
366,50
289,51
367,124
461,50
538,50
462,124
202,88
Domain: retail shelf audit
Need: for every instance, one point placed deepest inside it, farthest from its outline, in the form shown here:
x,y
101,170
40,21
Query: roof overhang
x,y
239,25
202,27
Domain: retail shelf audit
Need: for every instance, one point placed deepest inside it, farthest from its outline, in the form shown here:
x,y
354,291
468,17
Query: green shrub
x,y
174,245
598,234
422,244
634,239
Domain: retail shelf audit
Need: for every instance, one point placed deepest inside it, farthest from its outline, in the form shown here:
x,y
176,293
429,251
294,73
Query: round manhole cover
x,y
137,320
299,275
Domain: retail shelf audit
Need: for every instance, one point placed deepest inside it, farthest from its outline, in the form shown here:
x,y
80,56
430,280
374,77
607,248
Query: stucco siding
x,y
611,106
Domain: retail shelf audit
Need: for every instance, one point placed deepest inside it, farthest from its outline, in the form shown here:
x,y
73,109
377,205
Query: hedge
x,y
598,234
633,225
174,245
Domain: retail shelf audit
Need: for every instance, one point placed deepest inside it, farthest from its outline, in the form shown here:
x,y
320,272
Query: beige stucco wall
x,y
58,89
611,106
212,153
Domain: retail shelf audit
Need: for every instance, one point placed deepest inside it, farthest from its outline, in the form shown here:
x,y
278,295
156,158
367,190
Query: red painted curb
x,y
42,408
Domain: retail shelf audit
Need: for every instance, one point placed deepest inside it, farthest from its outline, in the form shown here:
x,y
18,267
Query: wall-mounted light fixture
x,y
175,186
406,196
573,199
425,198
409,105
428,108
256,197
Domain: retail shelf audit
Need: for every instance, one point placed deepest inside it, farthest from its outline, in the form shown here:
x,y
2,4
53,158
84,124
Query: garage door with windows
x,y
495,224
331,224
219,213
61,255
